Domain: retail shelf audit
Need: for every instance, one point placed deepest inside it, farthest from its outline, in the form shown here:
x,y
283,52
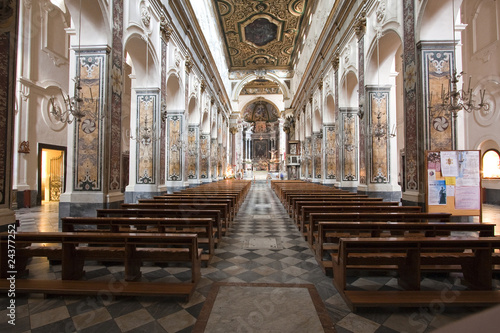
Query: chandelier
x,y
456,99
74,106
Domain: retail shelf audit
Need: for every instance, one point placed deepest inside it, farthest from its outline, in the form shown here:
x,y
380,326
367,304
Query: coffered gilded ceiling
x,y
260,34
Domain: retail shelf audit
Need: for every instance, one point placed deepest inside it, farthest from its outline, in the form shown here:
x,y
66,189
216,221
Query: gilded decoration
x,y
89,147
261,87
439,124
260,34
192,153
174,148
145,143
379,152
330,155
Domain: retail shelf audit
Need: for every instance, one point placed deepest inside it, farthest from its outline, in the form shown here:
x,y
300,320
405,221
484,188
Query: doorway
x,y
51,173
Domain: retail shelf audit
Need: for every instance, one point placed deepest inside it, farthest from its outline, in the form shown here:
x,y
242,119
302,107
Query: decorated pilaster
x,y
348,152
87,186
192,156
8,40
413,191
205,157
175,148
360,27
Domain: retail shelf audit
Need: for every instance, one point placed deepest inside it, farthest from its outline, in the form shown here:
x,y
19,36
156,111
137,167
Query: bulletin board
x,y
453,182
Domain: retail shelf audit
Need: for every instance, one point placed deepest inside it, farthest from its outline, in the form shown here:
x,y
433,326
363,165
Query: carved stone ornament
x,y
233,130
360,25
24,147
145,15
189,64
336,62
166,29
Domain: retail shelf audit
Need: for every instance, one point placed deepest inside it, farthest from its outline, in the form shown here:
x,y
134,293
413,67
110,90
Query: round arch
x,y
271,77
329,110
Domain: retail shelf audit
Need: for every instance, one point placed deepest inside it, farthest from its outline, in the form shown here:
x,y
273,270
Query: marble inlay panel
x,y
146,138
234,307
174,125
262,243
89,139
379,103
330,153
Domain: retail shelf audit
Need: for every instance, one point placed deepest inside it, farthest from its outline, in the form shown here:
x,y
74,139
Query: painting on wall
x,y
260,148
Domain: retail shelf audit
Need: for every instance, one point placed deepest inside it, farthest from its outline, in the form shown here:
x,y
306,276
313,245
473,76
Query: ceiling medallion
x,y
260,30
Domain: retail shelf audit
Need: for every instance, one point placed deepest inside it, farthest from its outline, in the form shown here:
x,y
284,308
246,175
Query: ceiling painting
x,y
260,34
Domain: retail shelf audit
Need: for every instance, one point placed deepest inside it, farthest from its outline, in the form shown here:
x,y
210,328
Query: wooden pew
x,y
223,208
290,197
329,233
77,247
171,213
202,227
296,202
407,256
311,228
230,201
304,210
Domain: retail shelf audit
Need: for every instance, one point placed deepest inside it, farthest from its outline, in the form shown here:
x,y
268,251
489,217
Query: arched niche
x,y
316,121
329,110
141,56
348,90
175,96
193,112
381,58
436,20
95,26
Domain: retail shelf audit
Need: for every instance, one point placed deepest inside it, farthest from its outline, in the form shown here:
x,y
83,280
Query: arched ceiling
x,y
261,34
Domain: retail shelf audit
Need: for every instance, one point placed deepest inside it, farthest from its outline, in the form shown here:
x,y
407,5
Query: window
x,y
491,164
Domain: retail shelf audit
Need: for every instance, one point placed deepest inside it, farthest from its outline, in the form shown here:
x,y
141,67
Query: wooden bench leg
x,y
72,263
132,264
478,272
409,271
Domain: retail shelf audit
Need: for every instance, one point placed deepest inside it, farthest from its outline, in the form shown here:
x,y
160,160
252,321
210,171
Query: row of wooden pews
x,y
353,234
182,228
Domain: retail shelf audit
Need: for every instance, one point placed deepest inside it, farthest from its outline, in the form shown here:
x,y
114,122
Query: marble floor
x,y
263,246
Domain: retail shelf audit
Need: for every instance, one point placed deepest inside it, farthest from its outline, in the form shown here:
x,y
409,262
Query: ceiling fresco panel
x,y
260,33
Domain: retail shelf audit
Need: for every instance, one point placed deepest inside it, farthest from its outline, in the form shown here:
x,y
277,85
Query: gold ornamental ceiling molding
x,y
260,34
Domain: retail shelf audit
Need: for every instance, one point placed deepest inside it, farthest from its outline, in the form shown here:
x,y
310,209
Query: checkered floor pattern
x,y
282,257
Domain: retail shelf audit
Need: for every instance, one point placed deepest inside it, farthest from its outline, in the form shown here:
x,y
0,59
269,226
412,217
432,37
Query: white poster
x,y
449,164
467,197
468,162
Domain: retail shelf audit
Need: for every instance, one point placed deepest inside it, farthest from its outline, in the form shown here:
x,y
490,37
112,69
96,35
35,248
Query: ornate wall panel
x,y
116,97
146,137
378,108
318,155
174,160
330,152
204,156
437,70
89,134
310,155
192,152
213,158
349,156
410,97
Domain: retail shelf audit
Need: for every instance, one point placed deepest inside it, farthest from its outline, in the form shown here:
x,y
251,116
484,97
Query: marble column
x,y
233,131
413,193
8,44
